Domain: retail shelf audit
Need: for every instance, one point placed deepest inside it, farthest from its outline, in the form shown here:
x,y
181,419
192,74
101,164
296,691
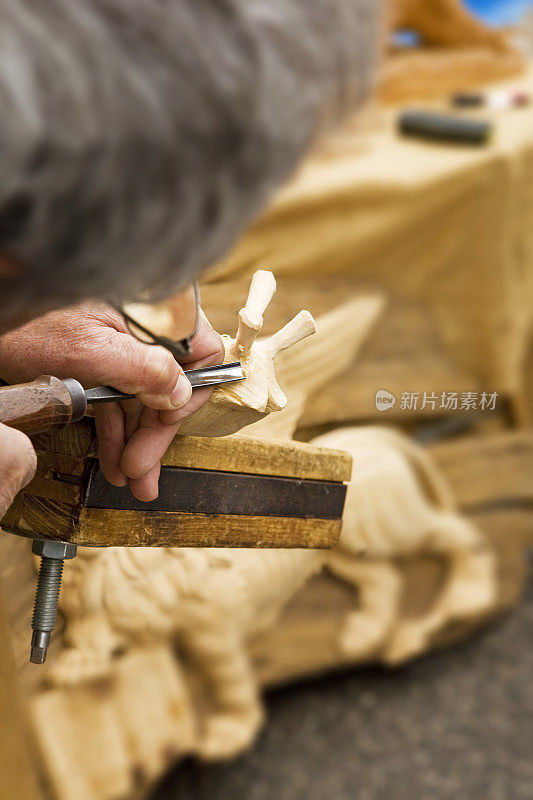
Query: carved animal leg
x,y
92,643
470,589
233,696
379,586
261,293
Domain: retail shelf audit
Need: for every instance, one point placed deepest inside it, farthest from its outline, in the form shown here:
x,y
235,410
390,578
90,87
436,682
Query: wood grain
x,y
67,451
31,515
256,456
76,441
102,528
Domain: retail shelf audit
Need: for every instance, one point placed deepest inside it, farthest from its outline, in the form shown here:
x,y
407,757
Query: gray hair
x,y
140,137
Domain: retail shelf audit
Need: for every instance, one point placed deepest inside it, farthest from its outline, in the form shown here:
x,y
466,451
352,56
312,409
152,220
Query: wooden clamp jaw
x,y
226,492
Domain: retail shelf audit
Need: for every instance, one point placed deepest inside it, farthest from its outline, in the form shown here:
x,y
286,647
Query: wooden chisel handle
x,y
42,404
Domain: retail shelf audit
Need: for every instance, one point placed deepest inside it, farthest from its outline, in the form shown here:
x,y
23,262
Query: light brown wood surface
x,y
457,51
99,528
18,766
489,471
52,504
250,454
429,72
443,22
305,643
117,736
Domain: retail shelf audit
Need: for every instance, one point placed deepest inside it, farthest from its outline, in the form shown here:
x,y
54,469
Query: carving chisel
x,y
49,402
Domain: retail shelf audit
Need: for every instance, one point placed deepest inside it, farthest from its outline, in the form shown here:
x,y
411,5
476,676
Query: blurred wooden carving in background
x,y
456,51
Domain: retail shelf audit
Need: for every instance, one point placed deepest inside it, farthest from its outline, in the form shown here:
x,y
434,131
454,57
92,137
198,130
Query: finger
x,y
17,465
208,350
146,488
133,410
207,346
199,398
131,366
111,441
147,445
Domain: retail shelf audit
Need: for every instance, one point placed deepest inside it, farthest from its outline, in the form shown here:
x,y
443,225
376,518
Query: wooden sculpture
x,y
400,505
234,406
195,634
212,602
457,51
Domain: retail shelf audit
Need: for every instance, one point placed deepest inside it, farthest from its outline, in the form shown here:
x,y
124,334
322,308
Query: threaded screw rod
x,y
47,594
45,608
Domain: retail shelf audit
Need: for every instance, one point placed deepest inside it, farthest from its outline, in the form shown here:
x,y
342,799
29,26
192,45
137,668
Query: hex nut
x,y
48,548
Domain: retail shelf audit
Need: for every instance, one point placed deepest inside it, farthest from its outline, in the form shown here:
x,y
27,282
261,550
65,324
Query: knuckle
x,y
160,371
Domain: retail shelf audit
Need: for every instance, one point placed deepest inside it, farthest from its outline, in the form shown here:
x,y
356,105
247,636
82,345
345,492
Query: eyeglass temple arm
x,y
177,348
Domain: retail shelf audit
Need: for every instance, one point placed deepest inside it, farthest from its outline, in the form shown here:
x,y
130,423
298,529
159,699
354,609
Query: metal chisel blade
x,y
214,376
208,376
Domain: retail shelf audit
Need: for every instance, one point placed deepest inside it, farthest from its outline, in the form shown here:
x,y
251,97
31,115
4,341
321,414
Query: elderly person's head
x,y
139,137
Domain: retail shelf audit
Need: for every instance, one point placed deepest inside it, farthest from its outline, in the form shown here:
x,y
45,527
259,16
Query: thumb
x,y
17,465
150,372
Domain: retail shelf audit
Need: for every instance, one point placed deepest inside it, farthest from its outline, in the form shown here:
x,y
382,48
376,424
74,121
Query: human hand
x,y
92,344
17,465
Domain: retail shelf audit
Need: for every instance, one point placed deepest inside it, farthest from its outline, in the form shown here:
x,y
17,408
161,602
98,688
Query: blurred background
x,y
499,12
444,229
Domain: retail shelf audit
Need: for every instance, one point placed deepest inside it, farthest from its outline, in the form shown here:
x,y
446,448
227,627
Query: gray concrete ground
x,y
456,726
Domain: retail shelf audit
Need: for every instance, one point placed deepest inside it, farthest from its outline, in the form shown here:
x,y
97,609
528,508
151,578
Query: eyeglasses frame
x,y
180,348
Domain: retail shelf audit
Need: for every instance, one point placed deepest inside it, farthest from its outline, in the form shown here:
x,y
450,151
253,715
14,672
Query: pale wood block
x,y
104,740
18,765
403,351
250,454
154,709
82,743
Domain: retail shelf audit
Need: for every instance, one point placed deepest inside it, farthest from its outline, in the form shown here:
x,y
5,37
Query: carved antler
x,y
234,406
261,292
300,327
